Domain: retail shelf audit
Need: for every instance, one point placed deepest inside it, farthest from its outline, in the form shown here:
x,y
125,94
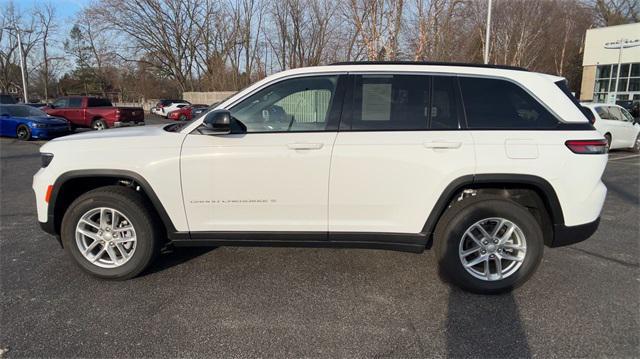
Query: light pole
x,y
22,64
619,45
488,32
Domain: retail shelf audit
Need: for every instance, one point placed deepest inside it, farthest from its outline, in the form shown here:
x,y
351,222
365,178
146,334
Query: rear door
x,y
400,144
624,126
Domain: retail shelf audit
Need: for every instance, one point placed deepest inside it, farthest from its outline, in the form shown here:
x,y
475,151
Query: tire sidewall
x,y
144,236
95,123
464,219
26,129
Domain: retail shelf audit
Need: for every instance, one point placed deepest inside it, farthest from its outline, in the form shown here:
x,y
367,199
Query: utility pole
x,y
487,34
22,60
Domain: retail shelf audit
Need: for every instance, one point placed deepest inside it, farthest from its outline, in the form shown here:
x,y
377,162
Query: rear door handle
x,y
305,146
442,144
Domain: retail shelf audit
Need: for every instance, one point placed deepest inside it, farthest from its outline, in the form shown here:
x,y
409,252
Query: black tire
x,y
99,125
135,207
461,216
636,145
23,133
608,138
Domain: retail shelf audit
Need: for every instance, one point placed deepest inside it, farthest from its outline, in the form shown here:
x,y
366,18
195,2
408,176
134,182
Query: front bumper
x,y
47,133
564,236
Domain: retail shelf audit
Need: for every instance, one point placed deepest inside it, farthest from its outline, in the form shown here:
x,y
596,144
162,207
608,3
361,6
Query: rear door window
x,y
603,113
390,102
500,104
445,109
615,113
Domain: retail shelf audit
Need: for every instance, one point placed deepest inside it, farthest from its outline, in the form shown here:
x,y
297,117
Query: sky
x,y
65,9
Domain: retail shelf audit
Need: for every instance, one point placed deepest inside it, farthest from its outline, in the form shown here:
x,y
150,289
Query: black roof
x,y
432,63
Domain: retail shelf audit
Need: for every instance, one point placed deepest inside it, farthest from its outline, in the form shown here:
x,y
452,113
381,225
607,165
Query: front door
x,y
274,177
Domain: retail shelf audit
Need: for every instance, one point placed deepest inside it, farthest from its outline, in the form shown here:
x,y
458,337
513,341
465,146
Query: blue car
x,y
26,122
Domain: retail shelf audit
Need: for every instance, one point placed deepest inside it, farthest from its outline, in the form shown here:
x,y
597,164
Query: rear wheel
x,y
23,133
111,232
99,125
636,145
488,244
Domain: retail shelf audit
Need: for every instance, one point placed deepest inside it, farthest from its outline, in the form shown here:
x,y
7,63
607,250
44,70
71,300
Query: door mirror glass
x,y
216,123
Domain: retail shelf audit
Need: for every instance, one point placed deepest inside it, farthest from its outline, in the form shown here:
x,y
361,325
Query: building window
x,y
628,83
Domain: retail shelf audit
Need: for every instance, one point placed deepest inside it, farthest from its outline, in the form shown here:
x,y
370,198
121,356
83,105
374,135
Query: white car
x,y
616,124
486,164
164,107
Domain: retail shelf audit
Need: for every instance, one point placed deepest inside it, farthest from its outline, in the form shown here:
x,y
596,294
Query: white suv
x,y
616,124
487,164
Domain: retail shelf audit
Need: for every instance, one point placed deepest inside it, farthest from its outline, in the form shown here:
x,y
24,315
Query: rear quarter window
x,y
501,104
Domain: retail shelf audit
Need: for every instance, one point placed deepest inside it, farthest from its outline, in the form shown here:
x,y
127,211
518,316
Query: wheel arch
x,y
529,190
70,185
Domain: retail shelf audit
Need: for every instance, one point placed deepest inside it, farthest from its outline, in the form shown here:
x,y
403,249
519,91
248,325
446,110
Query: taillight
x,y
588,147
117,114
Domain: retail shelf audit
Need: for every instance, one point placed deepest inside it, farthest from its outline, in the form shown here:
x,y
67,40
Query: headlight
x,y
39,125
46,158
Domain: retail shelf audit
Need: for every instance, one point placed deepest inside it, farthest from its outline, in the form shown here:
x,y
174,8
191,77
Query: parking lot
x,y
294,302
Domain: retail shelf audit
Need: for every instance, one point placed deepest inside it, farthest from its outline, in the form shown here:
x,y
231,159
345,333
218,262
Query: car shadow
x,y
172,256
484,326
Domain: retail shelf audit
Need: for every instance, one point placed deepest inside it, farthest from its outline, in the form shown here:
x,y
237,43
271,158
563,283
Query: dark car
x,y
7,99
26,122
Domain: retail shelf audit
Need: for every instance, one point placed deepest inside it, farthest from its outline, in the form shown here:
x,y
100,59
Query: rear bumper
x,y
564,236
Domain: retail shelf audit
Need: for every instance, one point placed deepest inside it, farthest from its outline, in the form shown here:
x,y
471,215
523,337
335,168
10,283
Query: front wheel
x,y
488,245
23,133
111,232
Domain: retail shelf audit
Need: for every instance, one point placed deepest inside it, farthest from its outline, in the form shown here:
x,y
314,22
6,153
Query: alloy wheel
x,y
106,237
492,249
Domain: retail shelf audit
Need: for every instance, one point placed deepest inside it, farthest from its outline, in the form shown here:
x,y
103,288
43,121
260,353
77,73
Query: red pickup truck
x,y
94,112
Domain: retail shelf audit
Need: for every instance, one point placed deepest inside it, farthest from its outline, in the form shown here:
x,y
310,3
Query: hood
x,y
128,139
116,133
47,120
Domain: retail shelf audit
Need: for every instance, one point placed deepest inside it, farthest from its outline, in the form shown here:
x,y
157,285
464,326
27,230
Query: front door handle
x,y
305,146
443,144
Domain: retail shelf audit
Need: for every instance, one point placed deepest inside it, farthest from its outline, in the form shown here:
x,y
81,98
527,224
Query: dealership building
x,y
602,54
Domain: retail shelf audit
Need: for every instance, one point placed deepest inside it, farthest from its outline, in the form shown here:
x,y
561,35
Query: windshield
x,y
21,111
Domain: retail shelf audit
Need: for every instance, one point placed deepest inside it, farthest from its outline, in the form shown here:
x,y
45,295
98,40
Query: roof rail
x,y
432,63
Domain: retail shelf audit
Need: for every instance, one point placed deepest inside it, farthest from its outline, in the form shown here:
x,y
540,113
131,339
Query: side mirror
x,y
216,123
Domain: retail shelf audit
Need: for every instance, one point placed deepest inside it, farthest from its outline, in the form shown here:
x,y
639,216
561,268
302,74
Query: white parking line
x,y
623,158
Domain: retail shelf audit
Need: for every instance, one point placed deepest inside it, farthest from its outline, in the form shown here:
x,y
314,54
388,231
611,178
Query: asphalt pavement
x,y
584,300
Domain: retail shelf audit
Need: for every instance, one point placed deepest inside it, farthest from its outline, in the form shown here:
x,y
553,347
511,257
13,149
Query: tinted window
x,y
616,114
61,103
391,102
75,102
603,113
500,104
98,102
300,104
21,111
445,111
